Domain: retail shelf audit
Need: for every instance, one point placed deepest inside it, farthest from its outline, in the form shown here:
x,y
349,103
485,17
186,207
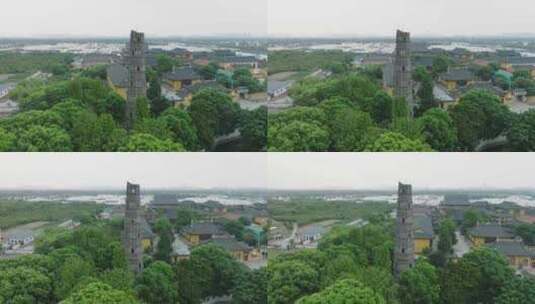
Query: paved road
x,y
285,243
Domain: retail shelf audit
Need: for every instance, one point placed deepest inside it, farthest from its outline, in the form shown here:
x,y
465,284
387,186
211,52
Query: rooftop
x,y
185,73
118,75
458,75
423,227
512,248
204,228
230,244
491,231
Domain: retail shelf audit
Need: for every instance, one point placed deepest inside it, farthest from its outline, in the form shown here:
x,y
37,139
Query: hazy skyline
x,y
274,171
383,171
85,171
320,18
115,18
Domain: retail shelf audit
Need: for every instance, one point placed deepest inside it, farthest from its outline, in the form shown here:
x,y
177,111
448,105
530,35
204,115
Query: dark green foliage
x,y
527,233
213,114
251,287
157,284
396,142
344,291
283,61
420,285
478,116
438,130
518,290
12,63
253,128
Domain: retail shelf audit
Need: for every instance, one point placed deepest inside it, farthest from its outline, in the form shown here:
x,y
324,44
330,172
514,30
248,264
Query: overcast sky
x,y
118,17
151,170
384,171
383,17
262,170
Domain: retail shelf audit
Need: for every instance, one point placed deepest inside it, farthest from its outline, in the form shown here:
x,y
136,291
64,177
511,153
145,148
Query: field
x,y
306,211
305,61
14,213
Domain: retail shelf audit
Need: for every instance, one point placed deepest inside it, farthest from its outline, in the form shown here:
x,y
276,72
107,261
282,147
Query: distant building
x,y
278,89
518,255
237,249
423,233
489,233
181,250
19,237
443,97
201,232
180,78
485,86
235,62
456,77
118,79
185,95
5,89
8,108
310,234
148,237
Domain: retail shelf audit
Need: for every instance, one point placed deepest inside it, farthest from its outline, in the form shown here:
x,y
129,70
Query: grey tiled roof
x,y
423,227
186,73
204,229
230,244
458,75
512,248
491,231
118,75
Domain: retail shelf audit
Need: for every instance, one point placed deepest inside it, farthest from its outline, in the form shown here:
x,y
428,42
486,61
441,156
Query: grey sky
x,y
118,17
383,171
383,17
263,170
151,170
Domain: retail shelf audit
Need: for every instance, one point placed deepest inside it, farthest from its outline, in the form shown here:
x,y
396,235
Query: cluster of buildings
x,y
179,84
138,237
460,77
416,228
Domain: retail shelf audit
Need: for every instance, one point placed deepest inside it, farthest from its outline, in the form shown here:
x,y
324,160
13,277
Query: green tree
x,y
253,128
290,280
447,238
7,141
518,290
147,143
351,130
476,278
438,130
184,217
44,139
25,284
213,113
342,292
521,135
100,293
440,65
73,271
298,136
527,233
395,142
209,71
156,284
425,95
179,122
164,64
479,115
420,285
251,287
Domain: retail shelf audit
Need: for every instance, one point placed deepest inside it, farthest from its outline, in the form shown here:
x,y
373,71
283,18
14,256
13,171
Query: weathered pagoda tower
x,y
403,70
132,228
134,60
404,248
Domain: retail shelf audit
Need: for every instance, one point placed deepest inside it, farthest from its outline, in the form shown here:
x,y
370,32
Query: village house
x,y
148,237
5,89
519,63
518,255
278,89
456,77
117,76
8,108
525,215
423,233
235,62
183,97
310,234
180,78
19,238
489,233
504,96
237,249
201,232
